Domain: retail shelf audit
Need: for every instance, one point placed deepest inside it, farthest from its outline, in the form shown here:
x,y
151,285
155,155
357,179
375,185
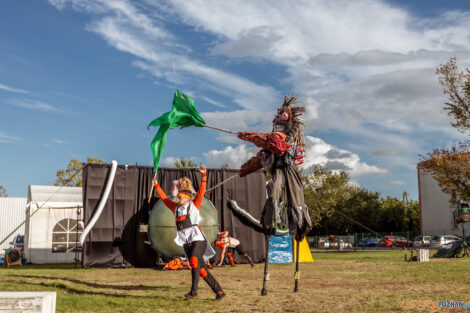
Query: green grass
x,y
346,282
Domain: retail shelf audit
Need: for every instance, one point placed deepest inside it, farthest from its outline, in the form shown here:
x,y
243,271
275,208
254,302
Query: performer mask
x,y
283,120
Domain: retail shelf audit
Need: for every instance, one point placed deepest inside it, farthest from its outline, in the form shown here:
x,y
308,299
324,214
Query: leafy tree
x,y
392,215
456,85
225,166
338,207
183,163
364,207
72,175
413,216
451,167
3,192
324,191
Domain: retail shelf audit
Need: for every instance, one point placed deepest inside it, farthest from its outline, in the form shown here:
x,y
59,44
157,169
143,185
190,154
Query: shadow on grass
x,y
72,290
93,285
52,266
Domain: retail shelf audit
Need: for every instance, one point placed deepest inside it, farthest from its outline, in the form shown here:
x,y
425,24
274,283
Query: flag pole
x,y
221,129
151,188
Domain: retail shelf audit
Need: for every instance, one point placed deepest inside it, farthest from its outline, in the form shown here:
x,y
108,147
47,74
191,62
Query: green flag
x,y
183,114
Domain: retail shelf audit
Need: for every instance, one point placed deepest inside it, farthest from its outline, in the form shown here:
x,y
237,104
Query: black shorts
x,y
239,249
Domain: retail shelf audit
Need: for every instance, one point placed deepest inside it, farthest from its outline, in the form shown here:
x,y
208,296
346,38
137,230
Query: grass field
x,y
346,282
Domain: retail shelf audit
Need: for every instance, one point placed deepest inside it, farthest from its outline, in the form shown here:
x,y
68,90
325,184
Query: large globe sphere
x,y
162,228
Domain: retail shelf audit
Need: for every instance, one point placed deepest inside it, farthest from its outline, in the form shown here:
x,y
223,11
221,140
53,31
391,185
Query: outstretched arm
x,y
273,141
222,234
161,194
222,255
202,189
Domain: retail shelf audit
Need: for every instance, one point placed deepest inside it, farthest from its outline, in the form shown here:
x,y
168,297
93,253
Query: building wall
x,y
12,213
436,210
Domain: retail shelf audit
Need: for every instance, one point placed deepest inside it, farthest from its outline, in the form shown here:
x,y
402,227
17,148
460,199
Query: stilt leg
x,y
297,273
266,274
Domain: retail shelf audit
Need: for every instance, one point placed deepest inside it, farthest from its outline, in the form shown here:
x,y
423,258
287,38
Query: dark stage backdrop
x,y
117,239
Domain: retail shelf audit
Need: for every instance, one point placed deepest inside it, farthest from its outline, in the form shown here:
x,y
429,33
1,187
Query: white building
x,y
437,213
11,215
52,216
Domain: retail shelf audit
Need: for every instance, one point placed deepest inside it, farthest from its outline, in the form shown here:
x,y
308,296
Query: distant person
x,y
230,245
189,234
174,188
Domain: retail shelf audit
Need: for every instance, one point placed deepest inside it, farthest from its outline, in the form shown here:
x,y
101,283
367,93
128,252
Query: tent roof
x,y
55,194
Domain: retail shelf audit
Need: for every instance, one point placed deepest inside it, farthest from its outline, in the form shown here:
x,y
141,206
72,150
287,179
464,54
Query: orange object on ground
x,y
176,264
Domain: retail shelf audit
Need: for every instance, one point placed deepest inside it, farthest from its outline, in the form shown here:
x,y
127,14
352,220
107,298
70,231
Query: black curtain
x,y
117,239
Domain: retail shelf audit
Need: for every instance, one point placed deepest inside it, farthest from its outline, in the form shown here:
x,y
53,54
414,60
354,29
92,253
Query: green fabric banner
x,y
183,114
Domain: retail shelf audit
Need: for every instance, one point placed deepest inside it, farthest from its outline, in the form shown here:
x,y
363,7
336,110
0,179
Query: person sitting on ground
x,y
189,235
230,245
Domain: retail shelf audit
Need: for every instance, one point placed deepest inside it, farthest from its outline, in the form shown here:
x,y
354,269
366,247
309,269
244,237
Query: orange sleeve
x,y
200,193
169,204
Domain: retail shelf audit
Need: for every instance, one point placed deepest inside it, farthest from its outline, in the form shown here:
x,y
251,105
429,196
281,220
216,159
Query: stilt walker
x,y
281,151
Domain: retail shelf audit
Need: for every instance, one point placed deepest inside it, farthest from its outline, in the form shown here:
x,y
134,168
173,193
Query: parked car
x,y
395,241
422,242
368,242
334,245
18,242
438,242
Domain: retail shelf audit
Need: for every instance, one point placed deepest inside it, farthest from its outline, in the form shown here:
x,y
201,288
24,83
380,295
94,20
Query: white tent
x,y
52,216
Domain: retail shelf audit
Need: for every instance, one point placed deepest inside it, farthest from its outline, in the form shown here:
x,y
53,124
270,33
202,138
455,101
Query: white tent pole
x,y
103,200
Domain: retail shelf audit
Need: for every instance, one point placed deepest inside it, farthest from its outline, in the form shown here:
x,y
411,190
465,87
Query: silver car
x,y
422,242
440,241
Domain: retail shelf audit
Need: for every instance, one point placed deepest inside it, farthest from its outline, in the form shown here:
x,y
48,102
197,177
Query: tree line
x,y
337,206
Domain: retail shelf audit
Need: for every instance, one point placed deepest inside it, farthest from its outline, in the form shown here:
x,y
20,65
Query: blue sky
x,y
84,78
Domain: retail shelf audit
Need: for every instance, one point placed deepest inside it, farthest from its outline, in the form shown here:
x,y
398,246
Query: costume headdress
x,y
290,117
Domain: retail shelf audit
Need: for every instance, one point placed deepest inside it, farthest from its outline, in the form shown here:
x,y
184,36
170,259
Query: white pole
x,y
103,200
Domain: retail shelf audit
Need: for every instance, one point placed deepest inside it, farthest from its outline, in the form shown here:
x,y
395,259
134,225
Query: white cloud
x,y
213,102
59,141
5,138
320,153
292,31
396,183
240,120
170,161
233,156
12,89
54,141
33,104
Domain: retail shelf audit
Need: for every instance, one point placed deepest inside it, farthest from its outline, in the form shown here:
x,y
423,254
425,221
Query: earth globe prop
x,y
162,228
